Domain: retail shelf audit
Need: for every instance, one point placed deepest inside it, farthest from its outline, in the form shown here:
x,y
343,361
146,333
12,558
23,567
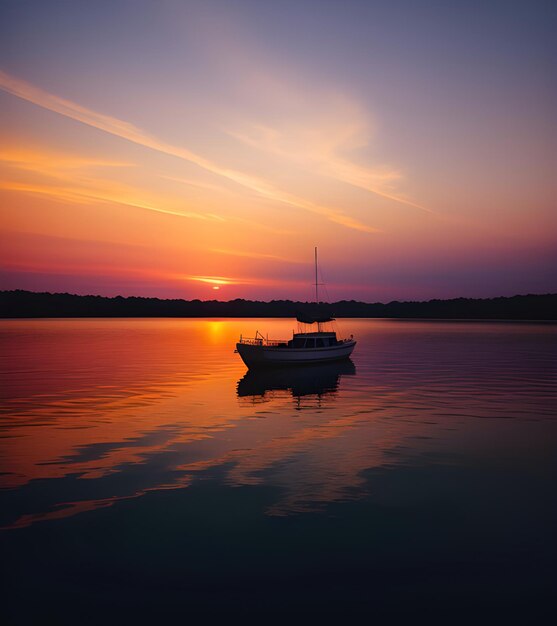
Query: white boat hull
x,y
256,355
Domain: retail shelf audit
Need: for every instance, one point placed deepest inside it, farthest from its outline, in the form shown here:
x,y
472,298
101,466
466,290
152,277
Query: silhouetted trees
x,y
21,303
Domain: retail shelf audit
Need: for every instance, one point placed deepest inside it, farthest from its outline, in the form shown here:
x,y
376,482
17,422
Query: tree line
x,y
21,304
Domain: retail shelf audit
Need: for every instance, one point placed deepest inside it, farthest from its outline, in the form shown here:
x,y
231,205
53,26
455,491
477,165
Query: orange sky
x,y
203,151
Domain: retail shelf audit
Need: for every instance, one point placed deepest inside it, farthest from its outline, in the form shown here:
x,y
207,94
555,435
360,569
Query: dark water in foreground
x,y
146,477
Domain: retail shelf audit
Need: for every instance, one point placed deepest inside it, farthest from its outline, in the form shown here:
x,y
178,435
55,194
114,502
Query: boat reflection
x,y
309,380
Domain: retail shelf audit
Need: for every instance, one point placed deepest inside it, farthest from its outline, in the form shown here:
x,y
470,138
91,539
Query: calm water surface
x,y
145,475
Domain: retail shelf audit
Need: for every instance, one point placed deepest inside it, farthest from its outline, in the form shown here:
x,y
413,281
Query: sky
x,y
183,149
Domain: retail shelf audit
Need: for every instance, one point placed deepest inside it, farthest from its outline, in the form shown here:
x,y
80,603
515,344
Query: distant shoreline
x,y
29,304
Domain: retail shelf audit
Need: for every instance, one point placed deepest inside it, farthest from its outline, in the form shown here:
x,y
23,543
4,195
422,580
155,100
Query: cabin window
x,y
319,343
310,343
298,343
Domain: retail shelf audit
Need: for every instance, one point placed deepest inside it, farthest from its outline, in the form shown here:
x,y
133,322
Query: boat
x,y
307,346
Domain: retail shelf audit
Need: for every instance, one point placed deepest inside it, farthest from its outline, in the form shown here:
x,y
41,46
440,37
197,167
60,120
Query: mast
x,y
316,288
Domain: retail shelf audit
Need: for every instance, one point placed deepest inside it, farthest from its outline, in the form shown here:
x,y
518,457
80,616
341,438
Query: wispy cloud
x,y
255,255
214,280
81,196
195,183
51,162
223,281
69,171
319,149
313,125
125,130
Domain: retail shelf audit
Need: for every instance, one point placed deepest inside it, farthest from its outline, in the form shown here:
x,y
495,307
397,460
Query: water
x,y
145,476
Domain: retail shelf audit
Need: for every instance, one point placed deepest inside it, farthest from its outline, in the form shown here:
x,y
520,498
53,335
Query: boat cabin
x,y
313,340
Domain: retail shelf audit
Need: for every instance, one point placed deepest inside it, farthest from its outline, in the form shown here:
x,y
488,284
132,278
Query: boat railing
x,y
262,341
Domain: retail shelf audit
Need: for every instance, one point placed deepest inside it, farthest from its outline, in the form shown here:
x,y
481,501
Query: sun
x,y
216,287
